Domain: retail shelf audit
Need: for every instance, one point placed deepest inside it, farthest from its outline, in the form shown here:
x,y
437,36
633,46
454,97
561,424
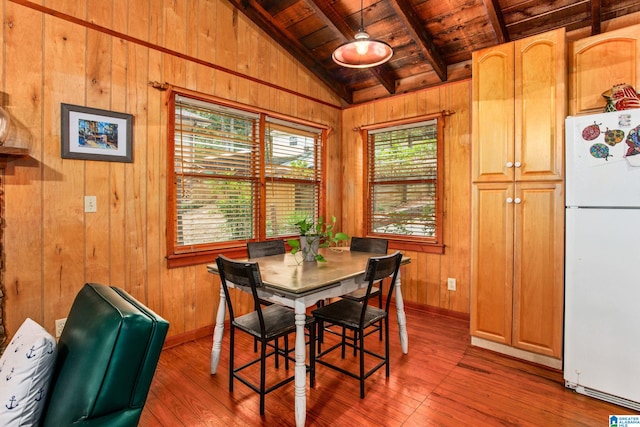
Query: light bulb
x,y
361,42
362,47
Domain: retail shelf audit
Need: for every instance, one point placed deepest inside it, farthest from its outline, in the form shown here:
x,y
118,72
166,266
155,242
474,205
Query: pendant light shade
x,y
363,51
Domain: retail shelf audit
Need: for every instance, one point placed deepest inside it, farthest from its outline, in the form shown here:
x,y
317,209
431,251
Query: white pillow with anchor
x,y
26,367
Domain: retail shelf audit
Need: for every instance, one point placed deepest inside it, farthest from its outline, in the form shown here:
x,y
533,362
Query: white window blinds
x,y
292,175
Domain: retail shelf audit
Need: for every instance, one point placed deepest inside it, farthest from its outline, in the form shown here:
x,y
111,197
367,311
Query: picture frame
x,y
95,134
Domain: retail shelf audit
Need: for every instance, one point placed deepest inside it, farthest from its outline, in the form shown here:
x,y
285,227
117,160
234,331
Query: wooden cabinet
x,y
519,93
519,106
599,62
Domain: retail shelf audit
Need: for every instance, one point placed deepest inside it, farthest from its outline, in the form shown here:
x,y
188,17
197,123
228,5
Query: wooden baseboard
x,y
437,310
192,335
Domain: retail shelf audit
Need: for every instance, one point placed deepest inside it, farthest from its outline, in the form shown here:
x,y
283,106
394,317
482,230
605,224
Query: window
x,y
235,176
404,181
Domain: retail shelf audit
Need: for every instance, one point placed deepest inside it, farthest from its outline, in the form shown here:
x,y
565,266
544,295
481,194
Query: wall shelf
x,y
8,154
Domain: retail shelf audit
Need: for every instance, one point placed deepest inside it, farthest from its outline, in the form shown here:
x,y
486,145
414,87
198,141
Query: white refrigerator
x,y
602,262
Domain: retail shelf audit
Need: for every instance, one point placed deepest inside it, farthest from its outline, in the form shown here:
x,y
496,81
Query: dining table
x,y
292,283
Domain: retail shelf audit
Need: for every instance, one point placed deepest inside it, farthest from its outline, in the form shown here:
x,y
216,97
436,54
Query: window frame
x,y
396,241
181,256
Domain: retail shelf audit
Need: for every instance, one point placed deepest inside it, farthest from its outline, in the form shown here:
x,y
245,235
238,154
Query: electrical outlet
x,y
90,204
451,284
60,326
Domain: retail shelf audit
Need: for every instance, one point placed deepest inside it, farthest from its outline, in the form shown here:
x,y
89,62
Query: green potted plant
x,y
315,235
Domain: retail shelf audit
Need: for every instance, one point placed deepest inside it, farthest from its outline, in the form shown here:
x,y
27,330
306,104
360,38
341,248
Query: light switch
x,y
90,204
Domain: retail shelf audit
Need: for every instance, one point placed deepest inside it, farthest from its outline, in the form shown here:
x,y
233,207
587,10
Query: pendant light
x,y
363,51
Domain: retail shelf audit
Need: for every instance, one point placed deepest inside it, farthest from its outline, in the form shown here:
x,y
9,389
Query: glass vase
x,y
5,121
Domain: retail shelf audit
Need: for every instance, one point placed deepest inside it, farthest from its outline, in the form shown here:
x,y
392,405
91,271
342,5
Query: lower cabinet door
x,y
492,261
538,273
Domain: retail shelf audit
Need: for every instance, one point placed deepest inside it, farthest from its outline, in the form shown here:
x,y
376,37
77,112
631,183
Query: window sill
x,y
430,248
203,257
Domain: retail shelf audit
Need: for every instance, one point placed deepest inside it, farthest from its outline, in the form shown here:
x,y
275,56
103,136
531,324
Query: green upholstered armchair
x,y
107,355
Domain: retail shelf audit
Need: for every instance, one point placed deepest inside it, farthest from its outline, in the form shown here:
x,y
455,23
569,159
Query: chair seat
x,y
346,312
278,321
361,294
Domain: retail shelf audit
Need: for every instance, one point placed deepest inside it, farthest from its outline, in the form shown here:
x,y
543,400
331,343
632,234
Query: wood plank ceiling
x,y
432,39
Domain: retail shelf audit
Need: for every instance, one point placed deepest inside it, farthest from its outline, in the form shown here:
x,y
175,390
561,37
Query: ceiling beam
x,y
595,17
420,36
497,20
278,33
332,19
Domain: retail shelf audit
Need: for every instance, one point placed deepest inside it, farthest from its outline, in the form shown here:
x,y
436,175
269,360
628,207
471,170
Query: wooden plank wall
x,y
103,54
424,281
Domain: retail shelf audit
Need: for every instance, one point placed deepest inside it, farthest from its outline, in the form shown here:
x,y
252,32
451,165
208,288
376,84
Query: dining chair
x,y
257,250
265,324
358,317
368,244
265,248
362,244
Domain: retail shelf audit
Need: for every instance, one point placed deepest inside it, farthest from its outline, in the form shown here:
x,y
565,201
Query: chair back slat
x,y
379,268
369,244
240,273
266,248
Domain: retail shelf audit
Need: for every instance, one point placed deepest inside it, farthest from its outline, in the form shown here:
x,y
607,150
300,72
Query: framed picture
x,y
94,134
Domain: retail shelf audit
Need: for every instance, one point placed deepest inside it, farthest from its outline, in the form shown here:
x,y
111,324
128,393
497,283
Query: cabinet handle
x,y
517,164
517,200
509,200
509,164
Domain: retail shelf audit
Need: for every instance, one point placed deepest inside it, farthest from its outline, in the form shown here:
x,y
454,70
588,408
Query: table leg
x,y
218,332
402,318
300,380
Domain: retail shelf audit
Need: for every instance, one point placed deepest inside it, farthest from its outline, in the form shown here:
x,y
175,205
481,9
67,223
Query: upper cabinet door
x,y
493,114
540,106
598,63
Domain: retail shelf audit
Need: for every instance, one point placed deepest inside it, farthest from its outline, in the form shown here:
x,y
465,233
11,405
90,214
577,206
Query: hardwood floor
x,y
443,381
